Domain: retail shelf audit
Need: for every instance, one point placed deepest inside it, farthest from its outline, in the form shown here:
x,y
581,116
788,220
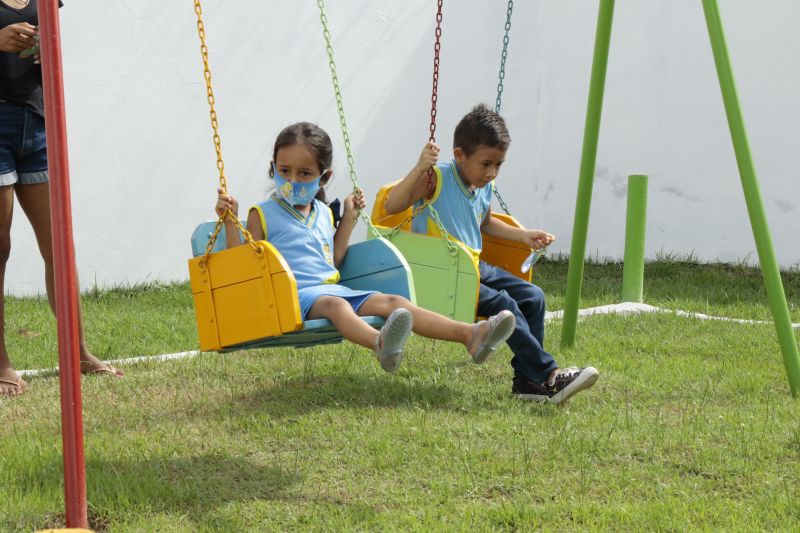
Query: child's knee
x,y
536,294
394,301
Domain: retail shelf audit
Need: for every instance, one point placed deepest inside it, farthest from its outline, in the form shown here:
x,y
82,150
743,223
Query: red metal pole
x,y
65,274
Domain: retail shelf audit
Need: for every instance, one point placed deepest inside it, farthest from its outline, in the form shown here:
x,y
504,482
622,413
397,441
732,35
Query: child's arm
x,y
535,238
341,239
233,238
416,184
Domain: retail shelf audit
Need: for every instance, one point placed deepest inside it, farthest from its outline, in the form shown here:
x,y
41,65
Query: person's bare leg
x,y
35,202
8,375
427,323
344,319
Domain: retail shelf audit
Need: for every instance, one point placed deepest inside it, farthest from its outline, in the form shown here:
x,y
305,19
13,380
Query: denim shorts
x,y
23,147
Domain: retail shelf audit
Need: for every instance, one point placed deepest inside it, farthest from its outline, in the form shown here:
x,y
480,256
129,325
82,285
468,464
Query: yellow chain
x,y
223,182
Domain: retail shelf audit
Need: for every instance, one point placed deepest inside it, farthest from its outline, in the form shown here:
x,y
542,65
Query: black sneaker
x,y
561,387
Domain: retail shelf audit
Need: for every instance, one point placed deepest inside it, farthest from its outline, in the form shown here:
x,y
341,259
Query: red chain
x,y
436,49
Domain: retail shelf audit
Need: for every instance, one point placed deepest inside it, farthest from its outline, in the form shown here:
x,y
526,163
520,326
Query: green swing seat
x,y
446,275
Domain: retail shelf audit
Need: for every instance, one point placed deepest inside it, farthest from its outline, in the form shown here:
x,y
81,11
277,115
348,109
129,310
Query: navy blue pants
x,y
501,290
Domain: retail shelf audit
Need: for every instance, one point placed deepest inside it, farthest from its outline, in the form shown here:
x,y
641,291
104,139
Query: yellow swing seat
x,y
246,297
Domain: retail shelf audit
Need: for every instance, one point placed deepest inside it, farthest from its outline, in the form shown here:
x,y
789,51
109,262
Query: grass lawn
x,y
691,426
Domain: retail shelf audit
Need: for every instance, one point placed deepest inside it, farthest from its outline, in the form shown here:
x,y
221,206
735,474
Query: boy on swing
x,y
461,192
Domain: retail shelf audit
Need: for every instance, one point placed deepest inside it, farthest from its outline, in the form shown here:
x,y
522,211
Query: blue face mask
x,y
293,192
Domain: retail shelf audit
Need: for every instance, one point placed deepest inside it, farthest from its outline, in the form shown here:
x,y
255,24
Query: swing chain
x,y
500,200
503,57
340,107
448,238
501,77
223,182
437,47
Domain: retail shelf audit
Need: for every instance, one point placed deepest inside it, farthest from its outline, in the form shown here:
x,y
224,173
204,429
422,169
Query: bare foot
x,y
92,365
11,384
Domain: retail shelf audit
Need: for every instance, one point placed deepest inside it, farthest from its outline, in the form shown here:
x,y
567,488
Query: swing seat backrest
x,y
244,300
503,253
506,254
445,283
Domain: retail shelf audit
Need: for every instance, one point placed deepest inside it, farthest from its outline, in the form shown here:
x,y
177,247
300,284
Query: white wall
x,y
143,167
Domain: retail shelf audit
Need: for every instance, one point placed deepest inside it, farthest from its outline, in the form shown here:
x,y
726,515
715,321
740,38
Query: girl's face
x,y
296,163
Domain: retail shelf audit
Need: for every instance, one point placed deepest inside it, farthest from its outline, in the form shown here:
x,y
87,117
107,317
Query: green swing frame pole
x,y
635,223
752,194
583,205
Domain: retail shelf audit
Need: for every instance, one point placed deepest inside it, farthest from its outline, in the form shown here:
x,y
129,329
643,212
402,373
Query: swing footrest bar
x,y
314,333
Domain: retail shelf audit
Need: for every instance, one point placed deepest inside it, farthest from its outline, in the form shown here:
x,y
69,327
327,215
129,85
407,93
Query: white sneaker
x,y
392,338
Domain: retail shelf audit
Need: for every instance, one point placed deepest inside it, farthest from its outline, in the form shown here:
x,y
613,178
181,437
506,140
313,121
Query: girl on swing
x,y
299,224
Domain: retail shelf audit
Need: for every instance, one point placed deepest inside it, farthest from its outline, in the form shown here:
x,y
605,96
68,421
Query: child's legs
x,y
341,314
530,359
426,323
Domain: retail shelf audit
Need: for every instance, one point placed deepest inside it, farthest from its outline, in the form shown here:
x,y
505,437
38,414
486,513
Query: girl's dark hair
x,y
312,137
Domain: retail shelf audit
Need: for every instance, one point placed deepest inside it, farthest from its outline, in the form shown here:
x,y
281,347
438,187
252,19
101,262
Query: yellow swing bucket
x,y
243,294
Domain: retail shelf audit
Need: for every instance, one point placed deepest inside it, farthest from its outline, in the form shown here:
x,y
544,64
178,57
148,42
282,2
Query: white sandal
x,y
392,338
501,326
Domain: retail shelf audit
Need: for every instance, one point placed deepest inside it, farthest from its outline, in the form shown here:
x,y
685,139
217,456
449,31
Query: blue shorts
x,y
23,146
309,295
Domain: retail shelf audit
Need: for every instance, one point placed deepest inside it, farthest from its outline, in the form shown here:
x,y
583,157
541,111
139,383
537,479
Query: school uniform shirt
x,y
306,243
461,211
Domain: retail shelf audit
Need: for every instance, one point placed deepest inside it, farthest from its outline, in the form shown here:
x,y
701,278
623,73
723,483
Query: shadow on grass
x,y
192,486
297,396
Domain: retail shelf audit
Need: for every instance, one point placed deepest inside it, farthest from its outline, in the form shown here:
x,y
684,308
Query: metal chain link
x,y
223,182
340,107
501,76
437,48
500,200
503,57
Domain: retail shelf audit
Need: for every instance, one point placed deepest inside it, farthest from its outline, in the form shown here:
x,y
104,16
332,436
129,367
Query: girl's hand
x,y
429,157
538,239
352,204
226,202
17,37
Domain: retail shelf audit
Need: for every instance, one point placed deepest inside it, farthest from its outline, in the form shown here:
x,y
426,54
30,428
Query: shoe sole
x,y
532,397
588,377
398,328
501,332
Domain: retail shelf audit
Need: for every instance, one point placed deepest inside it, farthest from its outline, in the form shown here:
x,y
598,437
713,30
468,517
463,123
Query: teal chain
x,y
501,77
340,106
503,57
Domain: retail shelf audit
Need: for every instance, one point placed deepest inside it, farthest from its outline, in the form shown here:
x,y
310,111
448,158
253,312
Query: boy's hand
x,y
225,202
428,158
352,204
17,37
538,239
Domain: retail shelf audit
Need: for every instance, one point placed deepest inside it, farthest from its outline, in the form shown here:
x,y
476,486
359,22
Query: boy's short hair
x,y
481,126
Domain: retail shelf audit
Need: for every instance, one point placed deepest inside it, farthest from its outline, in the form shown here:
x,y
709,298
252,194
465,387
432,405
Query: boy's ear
x,y
459,154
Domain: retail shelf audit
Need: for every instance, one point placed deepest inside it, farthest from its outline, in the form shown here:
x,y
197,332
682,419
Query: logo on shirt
x,y
326,251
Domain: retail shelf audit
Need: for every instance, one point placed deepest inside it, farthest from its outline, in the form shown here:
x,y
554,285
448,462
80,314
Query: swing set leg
x,y
752,195
747,173
591,134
